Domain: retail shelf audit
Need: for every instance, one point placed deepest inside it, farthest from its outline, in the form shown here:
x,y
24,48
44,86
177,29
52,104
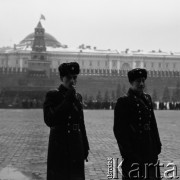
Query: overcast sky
x,y
107,24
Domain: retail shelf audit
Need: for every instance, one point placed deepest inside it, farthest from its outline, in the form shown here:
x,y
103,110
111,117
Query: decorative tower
x,y
39,64
39,42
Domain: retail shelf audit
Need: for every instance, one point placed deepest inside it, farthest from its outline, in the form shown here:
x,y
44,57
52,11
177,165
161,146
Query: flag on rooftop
x,y
42,17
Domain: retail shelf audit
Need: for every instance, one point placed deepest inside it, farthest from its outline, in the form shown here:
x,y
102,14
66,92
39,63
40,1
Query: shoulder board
x,y
51,91
122,98
54,90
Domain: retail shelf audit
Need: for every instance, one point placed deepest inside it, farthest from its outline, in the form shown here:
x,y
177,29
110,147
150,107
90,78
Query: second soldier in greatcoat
x,y
136,131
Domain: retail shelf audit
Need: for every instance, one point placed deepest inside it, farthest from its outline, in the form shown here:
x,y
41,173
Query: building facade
x,y
30,68
41,53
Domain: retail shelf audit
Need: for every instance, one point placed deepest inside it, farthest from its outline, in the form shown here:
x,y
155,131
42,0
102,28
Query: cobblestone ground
x,y
24,141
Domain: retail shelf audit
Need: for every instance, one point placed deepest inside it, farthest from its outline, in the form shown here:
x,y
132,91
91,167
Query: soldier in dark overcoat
x,y
63,112
136,131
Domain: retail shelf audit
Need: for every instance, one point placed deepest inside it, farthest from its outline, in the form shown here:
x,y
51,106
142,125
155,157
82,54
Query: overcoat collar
x,y
63,91
141,98
62,88
134,94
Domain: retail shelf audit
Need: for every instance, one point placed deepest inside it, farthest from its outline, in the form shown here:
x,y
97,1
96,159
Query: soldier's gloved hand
x,y
86,153
70,95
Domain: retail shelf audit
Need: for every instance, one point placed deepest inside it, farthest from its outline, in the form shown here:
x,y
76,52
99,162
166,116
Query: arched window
x,y
98,63
114,63
144,64
125,66
159,65
152,64
138,64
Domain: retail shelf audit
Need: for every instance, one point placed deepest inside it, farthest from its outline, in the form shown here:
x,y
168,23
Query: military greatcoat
x,y
136,131
68,144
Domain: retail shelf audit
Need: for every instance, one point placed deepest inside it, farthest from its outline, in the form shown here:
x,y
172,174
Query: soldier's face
x,y
69,81
138,84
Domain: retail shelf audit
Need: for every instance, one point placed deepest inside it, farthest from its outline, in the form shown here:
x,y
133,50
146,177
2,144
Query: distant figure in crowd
x,y
136,131
63,113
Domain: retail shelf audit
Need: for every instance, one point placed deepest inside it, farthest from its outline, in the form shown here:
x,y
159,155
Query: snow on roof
x,y
78,50
26,47
149,53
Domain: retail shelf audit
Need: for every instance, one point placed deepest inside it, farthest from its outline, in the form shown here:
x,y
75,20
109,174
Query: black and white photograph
x,y
89,89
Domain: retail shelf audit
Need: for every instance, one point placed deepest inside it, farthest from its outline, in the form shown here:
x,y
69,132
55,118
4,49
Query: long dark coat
x,y
68,143
136,131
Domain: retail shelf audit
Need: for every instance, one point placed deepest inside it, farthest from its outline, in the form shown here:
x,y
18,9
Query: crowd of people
x,y
110,105
22,103
166,105
27,103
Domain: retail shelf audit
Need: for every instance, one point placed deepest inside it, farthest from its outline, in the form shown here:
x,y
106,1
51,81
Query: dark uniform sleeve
x,y
83,130
52,110
155,129
122,130
85,139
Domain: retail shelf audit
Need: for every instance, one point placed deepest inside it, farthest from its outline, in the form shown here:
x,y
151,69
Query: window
x,y
152,64
167,65
42,57
138,64
98,63
174,65
114,63
159,65
82,63
144,64
90,63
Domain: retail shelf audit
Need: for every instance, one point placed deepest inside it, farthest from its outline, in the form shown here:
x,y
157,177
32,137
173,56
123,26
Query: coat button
x,y
68,131
137,104
68,124
69,117
139,111
140,118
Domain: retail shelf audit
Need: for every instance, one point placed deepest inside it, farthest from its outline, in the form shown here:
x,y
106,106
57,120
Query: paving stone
x,y
24,141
